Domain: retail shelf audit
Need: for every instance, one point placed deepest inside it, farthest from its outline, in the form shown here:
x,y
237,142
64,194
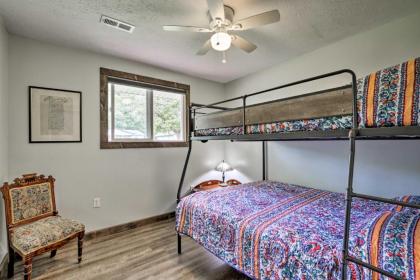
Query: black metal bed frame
x,y
353,134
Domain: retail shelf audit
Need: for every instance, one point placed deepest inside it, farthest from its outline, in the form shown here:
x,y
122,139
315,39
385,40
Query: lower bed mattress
x,y
272,230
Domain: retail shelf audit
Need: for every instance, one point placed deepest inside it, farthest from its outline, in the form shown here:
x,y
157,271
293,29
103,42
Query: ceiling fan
x,y
221,22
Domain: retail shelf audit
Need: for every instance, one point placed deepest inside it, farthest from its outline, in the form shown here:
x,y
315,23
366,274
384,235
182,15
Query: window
x,y
138,111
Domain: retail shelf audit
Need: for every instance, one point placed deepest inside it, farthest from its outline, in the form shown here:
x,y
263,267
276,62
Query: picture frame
x,y
55,115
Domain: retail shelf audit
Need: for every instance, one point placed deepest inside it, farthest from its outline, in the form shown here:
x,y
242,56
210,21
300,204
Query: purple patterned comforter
x,y
271,230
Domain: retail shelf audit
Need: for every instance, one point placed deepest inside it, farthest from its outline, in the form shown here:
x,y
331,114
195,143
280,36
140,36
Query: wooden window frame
x,y
148,82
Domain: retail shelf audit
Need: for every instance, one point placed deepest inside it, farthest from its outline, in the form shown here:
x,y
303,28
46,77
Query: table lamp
x,y
223,167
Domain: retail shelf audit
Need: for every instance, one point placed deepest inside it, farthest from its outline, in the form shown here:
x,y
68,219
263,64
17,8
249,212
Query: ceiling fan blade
x,y
257,20
205,48
185,28
243,44
217,9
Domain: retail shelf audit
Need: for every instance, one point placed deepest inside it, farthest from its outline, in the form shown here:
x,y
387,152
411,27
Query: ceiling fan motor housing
x,y
216,24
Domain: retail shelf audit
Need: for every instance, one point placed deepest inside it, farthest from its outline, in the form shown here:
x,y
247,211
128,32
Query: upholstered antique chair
x,y
33,224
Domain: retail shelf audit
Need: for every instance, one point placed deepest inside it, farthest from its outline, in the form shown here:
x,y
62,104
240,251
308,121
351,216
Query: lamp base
x,y
223,184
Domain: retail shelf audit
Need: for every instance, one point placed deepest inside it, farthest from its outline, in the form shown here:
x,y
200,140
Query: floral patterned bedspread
x,y
272,230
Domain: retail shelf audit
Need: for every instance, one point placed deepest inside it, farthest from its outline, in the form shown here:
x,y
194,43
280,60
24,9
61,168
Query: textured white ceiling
x,y
305,25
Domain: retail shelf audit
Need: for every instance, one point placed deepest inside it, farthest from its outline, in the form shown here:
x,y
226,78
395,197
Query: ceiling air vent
x,y
118,24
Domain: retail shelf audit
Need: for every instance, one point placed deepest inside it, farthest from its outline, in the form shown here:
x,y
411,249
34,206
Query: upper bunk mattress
x,y
271,230
329,123
386,98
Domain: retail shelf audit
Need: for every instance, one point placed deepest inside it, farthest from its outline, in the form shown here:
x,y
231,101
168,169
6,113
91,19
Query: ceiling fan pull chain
x,y
224,60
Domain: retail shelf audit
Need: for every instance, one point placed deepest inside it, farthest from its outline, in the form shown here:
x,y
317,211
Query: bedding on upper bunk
x,y
271,230
386,98
390,97
328,123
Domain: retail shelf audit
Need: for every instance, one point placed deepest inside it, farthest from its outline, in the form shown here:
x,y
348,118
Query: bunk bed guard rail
x,y
342,101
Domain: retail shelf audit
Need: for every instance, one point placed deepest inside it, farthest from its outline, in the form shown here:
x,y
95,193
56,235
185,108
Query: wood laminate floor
x,y
148,252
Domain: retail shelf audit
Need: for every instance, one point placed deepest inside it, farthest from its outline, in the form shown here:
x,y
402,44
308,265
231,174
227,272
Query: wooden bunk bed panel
x,y
327,103
271,230
330,103
228,118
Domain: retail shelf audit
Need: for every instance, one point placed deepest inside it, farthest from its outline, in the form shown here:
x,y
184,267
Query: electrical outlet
x,y
97,202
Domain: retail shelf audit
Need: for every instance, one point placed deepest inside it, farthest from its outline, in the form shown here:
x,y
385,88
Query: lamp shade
x,y
220,41
223,167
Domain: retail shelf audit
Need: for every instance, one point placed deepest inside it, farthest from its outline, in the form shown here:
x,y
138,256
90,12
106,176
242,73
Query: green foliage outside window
x,y
167,109
130,111
131,114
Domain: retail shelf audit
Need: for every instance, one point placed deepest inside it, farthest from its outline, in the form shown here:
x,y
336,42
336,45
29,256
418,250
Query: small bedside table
x,y
212,184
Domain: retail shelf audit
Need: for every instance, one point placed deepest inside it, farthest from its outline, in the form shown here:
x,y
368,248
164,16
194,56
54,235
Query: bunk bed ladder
x,y
349,196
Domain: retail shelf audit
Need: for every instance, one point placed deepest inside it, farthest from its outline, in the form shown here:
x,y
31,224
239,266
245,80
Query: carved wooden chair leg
x,y
27,269
11,265
53,253
80,246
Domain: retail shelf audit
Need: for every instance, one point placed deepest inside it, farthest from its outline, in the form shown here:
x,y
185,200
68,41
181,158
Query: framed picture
x,y
55,115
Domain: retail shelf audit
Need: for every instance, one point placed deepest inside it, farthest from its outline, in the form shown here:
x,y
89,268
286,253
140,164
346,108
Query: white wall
x,y
132,183
3,129
387,168
138,183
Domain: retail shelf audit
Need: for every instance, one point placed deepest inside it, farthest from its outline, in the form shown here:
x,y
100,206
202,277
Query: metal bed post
x,y
184,170
349,194
349,197
264,160
243,114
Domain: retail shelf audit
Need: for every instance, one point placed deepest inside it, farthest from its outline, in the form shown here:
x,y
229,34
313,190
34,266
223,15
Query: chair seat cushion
x,y
31,237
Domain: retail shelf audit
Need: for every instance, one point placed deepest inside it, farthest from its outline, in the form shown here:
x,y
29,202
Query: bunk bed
x,y
272,230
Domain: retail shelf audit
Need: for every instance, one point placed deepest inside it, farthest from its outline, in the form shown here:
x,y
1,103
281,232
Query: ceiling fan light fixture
x,y
220,41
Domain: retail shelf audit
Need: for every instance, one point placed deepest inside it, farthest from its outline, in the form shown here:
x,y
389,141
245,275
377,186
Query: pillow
x,y
388,242
390,97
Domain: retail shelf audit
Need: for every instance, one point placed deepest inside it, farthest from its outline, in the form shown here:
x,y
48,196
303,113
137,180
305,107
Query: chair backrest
x,y
28,199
